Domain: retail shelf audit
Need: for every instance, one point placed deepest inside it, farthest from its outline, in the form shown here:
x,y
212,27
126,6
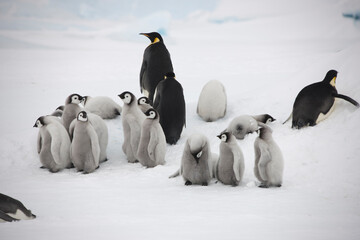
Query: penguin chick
x,y
170,104
58,111
53,144
269,163
132,119
212,101
103,106
156,63
196,161
71,109
264,118
152,146
101,131
85,148
13,210
241,126
230,167
144,104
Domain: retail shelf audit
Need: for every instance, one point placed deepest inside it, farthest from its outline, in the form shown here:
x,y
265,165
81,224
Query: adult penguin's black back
x,y
169,102
315,101
156,63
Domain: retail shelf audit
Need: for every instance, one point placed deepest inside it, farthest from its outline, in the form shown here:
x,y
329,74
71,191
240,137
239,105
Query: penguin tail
x,y
346,98
172,140
175,174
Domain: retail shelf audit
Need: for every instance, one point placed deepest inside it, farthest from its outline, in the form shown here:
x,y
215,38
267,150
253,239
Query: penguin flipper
x,y
55,142
95,146
142,71
236,165
71,129
346,98
39,143
6,217
288,118
265,158
153,142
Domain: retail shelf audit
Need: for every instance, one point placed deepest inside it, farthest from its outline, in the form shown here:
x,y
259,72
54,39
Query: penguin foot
x,y
204,184
42,167
263,185
278,185
70,166
53,171
98,167
188,183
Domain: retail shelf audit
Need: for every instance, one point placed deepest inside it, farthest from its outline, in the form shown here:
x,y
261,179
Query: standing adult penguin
x,y
53,144
316,101
269,162
85,148
13,210
212,101
132,119
71,109
170,104
156,63
152,145
197,161
230,167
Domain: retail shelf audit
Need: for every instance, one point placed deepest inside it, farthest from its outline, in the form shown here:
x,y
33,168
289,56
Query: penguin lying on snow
x,y
245,124
212,101
230,168
53,144
170,104
103,106
13,210
315,102
156,63
269,163
197,162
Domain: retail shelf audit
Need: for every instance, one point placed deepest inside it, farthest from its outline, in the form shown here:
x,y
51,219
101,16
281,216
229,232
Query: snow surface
x,y
263,53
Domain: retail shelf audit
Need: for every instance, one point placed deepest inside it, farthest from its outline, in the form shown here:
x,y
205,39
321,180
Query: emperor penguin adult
x,y
71,109
53,144
170,104
315,102
132,119
152,145
144,104
156,63
102,106
85,148
101,131
196,162
12,209
269,162
212,101
230,167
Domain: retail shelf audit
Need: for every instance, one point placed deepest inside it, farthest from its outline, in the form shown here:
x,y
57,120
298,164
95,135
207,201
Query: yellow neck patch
x,y
333,82
156,40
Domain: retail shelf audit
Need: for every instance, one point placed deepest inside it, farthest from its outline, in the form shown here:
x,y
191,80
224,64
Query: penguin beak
x,y
144,34
219,136
34,125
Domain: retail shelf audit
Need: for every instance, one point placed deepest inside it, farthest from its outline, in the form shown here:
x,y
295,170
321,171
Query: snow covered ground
x,y
263,52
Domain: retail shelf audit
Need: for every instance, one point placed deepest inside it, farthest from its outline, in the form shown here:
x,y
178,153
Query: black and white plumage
x,y
58,111
170,104
212,101
144,104
230,167
102,106
132,119
13,210
152,145
85,148
101,131
71,109
269,162
315,102
156,63
53,144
